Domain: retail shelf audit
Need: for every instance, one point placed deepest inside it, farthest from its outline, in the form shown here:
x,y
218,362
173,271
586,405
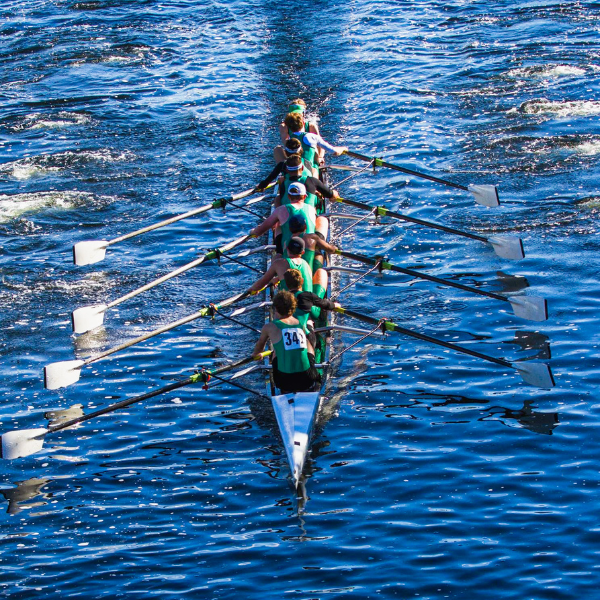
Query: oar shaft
x,y
208,256
418,274
191,213
381,163
119,405
220,202
389,326
201,313
146,396
384,212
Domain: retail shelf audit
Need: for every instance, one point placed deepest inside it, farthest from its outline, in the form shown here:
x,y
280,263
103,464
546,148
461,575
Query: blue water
x,y
432,474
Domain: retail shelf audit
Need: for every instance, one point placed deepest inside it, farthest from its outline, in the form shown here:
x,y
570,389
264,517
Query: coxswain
x,y
294,260
294,363
311,142
314,243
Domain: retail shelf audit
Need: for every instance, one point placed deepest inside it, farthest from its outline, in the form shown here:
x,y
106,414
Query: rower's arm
x,y
337,150
269,222
323,245
272,176
324,190
265,279
262,341
283,132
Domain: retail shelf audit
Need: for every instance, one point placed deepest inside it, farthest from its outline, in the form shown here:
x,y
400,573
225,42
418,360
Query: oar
x,y
505,246
531,308
19,443
87,318
484,194
93,251
64,373
535,373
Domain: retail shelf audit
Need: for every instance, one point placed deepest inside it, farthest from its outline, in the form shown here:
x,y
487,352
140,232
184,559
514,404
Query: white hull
x,y
295,416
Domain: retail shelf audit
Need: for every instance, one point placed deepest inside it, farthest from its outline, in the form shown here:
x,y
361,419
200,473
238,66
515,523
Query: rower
x,y
294,363
315,188
280,216
294,260
311,142
314,242
310,304
292,147
296,106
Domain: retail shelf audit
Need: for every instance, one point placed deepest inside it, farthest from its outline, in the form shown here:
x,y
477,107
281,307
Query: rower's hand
x,y
339,150
335,194
337,305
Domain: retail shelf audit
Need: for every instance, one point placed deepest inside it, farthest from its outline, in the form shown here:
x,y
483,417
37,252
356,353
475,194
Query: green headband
x,y
296,108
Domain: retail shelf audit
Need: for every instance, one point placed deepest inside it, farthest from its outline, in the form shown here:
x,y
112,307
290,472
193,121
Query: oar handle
x,y
381,163
390,326
208,256
419,275
382,211
168,388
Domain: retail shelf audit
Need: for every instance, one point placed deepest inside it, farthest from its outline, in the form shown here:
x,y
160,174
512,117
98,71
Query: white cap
x,y
297,189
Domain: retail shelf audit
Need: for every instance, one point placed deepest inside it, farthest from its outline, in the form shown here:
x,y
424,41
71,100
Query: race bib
x,y
294,339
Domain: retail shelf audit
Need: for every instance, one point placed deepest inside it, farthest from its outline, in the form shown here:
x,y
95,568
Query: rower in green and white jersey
x,y
280,216
294,260
316,190
311,142
293,365
292,147
310,304
314,243
296,106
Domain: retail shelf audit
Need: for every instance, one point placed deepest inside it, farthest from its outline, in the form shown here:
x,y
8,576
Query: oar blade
x,y
508,246
87,318
62,374
531,308
486,195
16,444
537,374
89,252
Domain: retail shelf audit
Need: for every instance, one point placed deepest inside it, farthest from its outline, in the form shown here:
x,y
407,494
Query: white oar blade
x,y
535,373
16,444
62,374
487,195
531,308
90,252
508,246
87,318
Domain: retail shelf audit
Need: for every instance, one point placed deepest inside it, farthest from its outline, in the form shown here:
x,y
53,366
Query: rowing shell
x,y
296,413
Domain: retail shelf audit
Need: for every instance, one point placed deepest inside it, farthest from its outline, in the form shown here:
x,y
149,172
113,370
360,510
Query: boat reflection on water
x,y
536,421
533,340
24,491
511,283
